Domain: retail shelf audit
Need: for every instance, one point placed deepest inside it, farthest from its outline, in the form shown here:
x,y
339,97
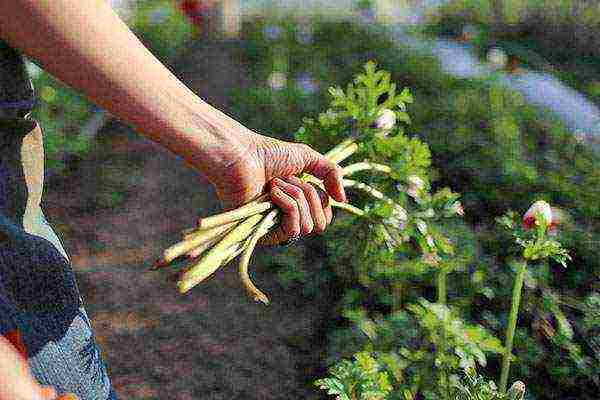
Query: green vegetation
x,y
483,142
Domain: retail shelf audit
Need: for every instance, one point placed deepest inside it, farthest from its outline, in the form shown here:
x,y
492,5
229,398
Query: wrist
x,y
214,141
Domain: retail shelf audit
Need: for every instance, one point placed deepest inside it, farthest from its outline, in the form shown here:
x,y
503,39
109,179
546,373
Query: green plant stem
x,y
397,291
441,287
512,324
441,293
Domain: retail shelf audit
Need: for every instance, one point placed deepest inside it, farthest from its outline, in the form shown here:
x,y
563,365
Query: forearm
x,y
87,46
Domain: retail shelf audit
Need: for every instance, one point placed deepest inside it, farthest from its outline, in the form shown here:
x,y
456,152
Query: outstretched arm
x,y
86,45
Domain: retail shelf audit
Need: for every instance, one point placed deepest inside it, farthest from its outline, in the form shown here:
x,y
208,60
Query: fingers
x,y
294,194
314,202
329,173
327,210
290,224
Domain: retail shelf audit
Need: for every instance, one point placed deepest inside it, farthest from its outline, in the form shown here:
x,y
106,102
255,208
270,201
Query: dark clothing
x,y
41,310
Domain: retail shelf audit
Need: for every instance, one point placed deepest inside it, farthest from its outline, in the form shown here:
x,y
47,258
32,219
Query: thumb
x,y
330,173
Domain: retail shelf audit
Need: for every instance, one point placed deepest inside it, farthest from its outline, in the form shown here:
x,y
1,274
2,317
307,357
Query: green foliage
x,y
475,387
476,137
161,27
364,379
62,114
407,343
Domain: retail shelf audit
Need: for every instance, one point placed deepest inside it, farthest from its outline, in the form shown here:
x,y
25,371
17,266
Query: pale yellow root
x,y
187,282
194,241
212,260
344,153
197,251
365,165
375,193
344,206
347,207
263,228
367,189
245,211
339,147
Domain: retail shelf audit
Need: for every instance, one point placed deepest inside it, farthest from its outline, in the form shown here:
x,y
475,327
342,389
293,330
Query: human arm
x,y
16,382
86,45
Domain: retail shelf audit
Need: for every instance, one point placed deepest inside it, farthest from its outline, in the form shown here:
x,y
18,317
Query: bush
x,y
485,143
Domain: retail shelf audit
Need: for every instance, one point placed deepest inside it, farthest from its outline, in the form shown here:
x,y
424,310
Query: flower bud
x,y
415,185
422,226
457,208
430,241
386,120
540,207
516,391
431,259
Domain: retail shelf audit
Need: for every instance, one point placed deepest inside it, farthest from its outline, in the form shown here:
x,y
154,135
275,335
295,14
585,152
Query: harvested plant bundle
x,y
373,108
220,238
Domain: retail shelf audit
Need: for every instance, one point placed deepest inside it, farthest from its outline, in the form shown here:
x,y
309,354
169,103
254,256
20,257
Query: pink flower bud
x,y
457,208
431,258
415,185
540,207
386,120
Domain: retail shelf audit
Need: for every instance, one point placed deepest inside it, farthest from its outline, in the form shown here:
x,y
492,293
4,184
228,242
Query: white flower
x,y
386,120
415,185
422,226
430,241
457,208
277,80
540,207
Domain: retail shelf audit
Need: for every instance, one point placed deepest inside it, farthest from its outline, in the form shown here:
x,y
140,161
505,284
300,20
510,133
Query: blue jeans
x,y
40,303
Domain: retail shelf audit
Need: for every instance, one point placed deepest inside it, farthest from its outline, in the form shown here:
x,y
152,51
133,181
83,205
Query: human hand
x,y
271,165
16,381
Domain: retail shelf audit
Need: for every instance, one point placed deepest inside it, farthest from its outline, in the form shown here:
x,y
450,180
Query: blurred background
x,y
507,96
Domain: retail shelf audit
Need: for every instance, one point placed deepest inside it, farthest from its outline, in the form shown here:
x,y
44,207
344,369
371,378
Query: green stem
x,y
441,293
512,324
397,289
441,287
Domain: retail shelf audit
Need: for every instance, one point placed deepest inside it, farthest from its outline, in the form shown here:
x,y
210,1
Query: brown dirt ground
x,y
116,210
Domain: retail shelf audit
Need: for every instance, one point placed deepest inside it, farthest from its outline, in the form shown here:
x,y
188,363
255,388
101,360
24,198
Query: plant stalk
x,y
512,324
441,287
441,293
234,215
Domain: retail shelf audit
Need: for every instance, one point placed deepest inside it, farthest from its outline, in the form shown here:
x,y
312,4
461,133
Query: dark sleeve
x,y
17,97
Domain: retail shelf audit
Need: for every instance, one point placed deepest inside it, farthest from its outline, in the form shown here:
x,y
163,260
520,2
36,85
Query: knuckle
x,y
311,191
320,226
307,227
296,192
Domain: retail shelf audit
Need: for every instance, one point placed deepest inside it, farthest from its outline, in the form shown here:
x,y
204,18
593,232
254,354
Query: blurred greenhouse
x,y
505,111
